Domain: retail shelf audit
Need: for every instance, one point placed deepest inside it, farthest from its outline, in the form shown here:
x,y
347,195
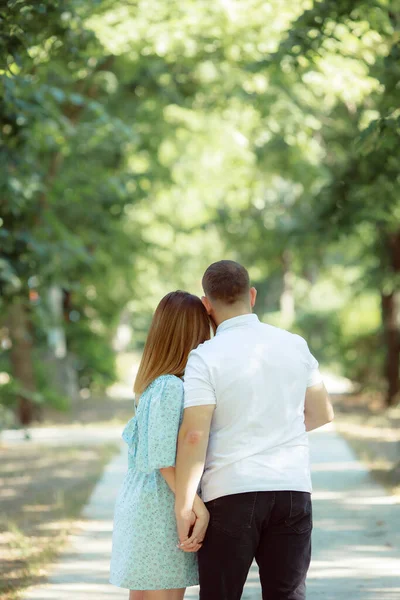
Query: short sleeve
x,y
313,373
198,387
164,418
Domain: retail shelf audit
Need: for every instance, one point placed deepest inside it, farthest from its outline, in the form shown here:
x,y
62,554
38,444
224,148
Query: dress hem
x,y
134,587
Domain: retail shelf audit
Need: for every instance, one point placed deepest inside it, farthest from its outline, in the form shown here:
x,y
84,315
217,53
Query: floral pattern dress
x,y
144,545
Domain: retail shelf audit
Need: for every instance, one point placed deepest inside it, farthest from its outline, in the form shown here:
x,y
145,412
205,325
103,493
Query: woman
x,y
145,554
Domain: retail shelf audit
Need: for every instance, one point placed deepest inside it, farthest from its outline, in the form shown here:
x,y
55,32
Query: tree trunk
x,y
391,336
21,358
391,325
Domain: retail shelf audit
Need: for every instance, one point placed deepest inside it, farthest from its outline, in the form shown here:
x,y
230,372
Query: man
x,y
251,394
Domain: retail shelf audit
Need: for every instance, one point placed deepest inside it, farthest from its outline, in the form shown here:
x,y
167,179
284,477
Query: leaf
x,y
76,99
58,94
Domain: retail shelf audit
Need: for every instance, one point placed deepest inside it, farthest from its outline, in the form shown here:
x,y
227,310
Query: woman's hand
x,y
202,518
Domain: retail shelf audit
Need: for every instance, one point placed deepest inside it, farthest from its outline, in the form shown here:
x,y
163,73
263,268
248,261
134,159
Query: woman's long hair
x,y
180,323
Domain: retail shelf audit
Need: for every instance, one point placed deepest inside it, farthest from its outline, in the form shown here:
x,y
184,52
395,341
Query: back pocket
x,y
300,517
233,514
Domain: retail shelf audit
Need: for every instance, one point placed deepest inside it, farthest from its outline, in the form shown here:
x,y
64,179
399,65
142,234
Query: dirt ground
x,y
42,491
373,432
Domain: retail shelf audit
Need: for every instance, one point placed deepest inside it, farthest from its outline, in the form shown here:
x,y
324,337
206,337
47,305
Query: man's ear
x,y
207,304
253,296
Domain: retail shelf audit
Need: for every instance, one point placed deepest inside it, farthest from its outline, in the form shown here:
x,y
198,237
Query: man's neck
x,y
230,313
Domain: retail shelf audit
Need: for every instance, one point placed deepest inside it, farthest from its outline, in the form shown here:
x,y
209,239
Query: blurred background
x,y
141,141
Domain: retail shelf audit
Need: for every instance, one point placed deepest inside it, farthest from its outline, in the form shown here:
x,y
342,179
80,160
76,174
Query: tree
x,y
55,215
363,191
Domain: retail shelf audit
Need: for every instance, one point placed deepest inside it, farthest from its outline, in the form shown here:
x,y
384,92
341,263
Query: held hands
x,y
192,527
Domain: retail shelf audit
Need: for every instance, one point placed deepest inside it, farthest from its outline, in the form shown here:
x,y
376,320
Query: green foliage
x,y
140,145
46,394
65,182
95,360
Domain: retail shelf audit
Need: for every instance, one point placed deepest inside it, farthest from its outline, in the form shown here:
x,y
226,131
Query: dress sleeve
x,y
164,419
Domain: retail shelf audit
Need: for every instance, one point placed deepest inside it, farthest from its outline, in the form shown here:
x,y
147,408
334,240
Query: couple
x,y
228,415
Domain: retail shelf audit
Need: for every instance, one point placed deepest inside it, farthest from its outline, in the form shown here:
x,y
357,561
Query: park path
x,y
356,538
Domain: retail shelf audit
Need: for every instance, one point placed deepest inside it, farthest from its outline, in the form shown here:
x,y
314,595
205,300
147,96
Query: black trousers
x,y
272,527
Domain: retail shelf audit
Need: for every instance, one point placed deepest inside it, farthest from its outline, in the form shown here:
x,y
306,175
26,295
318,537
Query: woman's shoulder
x,y
163,393
165,382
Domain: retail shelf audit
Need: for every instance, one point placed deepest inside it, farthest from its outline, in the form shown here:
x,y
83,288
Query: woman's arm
x,y
199,509
169,475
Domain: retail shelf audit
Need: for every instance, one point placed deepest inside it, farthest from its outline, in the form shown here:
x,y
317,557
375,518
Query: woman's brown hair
x,y
180,323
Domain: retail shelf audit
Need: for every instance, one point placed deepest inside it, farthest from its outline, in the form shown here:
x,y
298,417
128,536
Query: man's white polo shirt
x,y
257,376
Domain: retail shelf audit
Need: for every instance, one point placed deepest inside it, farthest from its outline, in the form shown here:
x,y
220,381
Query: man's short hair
x,y
226,281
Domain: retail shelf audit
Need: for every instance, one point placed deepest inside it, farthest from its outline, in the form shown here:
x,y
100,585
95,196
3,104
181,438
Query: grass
x,y
43,490
373,432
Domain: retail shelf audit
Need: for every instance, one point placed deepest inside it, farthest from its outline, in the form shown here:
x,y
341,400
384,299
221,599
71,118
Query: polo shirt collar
x,y
239,321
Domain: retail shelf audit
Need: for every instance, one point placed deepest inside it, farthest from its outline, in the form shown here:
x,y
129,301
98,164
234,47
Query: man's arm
x,y
193,437
318,408
192,448
193,544
169,474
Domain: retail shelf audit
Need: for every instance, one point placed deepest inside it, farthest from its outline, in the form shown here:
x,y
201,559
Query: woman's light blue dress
x,y
144,546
